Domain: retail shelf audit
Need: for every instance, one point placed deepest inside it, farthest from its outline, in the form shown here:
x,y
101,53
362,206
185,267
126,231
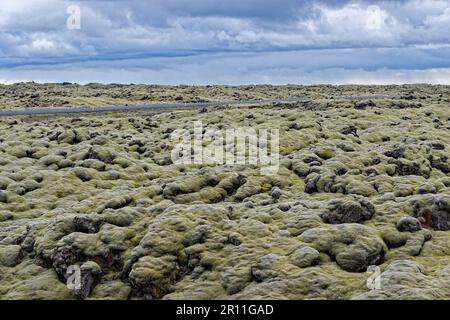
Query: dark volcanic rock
x,y
395,153
348,212
440,164
90,275
275,193
403,168
362,105
87,225
409,224
433,213
350,130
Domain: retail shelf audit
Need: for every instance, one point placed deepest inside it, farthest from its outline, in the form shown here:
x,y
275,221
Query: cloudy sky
x,y
225,42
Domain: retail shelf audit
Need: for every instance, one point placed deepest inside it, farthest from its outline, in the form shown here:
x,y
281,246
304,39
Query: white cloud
x,y
288,33
108,26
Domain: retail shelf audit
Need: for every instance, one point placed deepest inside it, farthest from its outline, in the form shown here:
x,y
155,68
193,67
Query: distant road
x,y
29,112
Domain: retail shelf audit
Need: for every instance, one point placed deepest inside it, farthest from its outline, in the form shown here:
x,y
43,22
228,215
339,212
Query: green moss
x,y
101,190
10,255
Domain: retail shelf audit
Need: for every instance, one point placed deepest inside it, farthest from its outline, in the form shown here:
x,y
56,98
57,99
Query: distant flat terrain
x,y
33,95
168,106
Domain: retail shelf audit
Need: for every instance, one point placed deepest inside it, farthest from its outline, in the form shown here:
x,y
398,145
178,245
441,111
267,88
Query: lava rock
x,y
350,130
10,255
353,246
275,193
87,225
90,275
284,207
395,153
407,168
408,224
348,212
433,212
305,257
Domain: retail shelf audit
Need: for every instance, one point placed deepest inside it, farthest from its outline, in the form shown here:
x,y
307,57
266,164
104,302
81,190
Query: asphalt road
x,y
30,112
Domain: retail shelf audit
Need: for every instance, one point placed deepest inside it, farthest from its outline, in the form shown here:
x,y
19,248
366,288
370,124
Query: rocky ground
x,y
33,95
360,184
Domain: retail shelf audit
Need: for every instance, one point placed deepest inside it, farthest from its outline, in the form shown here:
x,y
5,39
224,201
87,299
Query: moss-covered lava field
x,y
362,186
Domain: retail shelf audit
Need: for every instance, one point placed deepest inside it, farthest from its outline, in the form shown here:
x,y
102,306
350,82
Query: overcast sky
x,y
225,42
